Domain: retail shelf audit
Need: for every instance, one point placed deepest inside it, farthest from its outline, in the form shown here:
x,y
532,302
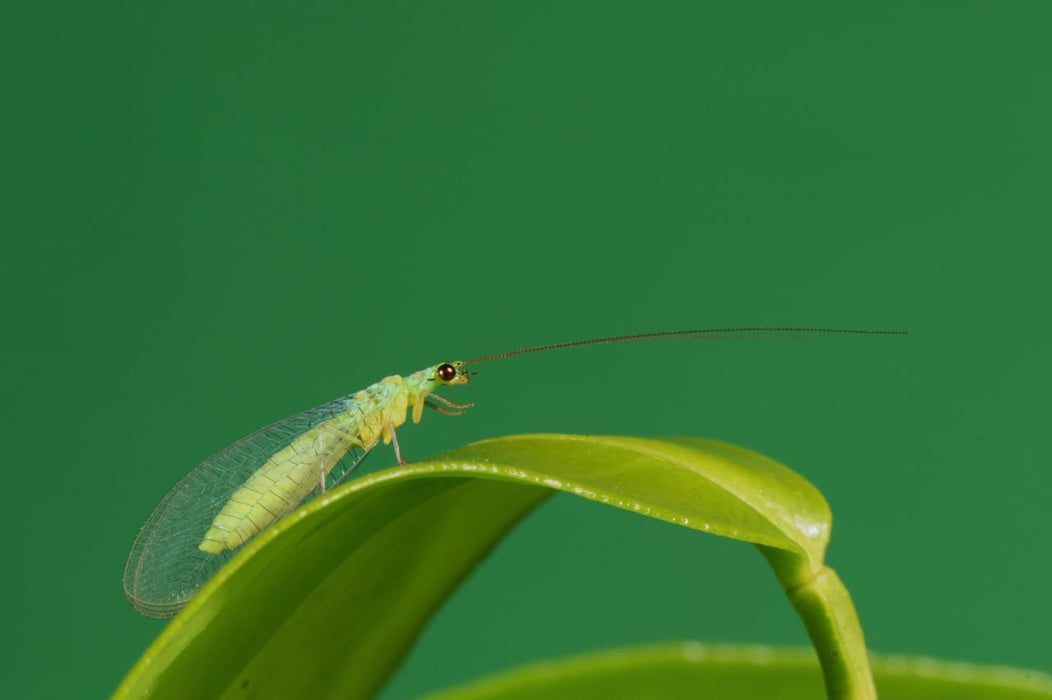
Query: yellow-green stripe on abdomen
x,y
281,483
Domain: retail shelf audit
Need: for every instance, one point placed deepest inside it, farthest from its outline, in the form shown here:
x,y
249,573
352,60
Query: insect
x,y
247,486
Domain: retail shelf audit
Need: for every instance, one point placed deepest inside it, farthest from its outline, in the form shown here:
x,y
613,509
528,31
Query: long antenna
x,y
697,333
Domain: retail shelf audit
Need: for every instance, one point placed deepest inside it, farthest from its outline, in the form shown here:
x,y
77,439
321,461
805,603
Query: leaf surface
x,y
331,598
691,669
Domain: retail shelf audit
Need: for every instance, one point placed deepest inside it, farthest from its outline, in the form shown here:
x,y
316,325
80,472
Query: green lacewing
x,y
247,486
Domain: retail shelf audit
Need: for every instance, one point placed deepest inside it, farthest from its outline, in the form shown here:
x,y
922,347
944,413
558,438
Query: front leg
x,y
444,412
449,404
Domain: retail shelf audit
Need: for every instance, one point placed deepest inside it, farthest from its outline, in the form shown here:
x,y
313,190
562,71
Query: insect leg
x,y
398,452
441,410
449,404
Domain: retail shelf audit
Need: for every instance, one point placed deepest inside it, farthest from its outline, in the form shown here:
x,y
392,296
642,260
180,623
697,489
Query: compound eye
x,y
446,371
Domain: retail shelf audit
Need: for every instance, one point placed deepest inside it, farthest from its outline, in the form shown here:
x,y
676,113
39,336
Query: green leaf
x,y
330,599
690,669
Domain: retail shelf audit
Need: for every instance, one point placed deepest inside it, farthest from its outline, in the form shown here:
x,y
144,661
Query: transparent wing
x,y
165,567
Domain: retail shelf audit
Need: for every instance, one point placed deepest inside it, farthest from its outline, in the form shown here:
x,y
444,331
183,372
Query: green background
x,y
215,216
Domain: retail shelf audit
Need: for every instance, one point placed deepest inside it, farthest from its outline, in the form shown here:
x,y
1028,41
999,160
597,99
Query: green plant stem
x,y
831,621
823,603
